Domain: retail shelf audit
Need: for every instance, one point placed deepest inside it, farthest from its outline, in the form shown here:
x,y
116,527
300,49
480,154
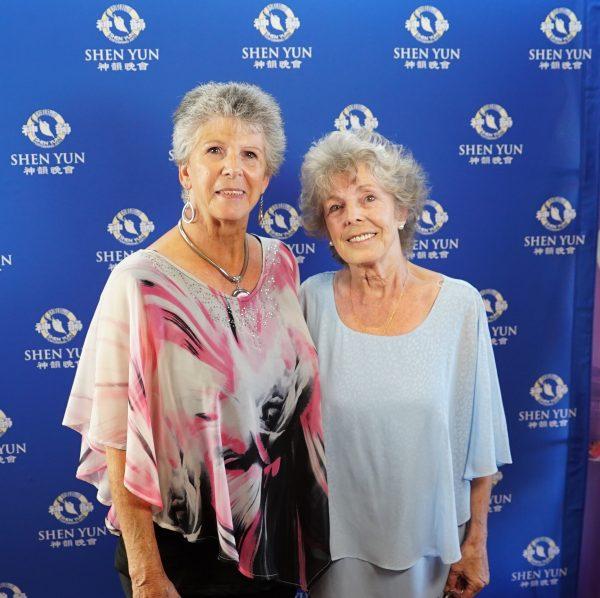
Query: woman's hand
x,y
471,574
159,586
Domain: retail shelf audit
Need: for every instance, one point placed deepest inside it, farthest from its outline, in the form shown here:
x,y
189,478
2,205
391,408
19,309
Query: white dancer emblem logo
x,y
120,23
556,213
432,218
46,128
494,304
15,592
548,390
276,22
5,424
561,26
281,221
491,121
71,507
427,24
58,326
130,226
350,118
541,551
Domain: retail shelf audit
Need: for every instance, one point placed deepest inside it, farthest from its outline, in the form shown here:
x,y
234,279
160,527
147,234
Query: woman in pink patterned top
x,y
197,394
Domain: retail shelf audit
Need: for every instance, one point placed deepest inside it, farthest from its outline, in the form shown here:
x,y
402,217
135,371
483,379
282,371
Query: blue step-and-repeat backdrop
x,y
498,100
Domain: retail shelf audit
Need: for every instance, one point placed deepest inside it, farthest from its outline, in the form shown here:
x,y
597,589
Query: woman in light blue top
x,y
413,418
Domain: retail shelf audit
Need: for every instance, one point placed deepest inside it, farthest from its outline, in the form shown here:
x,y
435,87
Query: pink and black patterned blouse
x,y
216,400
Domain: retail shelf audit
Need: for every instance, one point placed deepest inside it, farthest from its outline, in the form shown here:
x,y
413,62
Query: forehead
x,y
343,181
223,128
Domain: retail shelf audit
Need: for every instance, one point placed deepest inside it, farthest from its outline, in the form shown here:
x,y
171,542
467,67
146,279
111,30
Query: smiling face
x,y
226,172
362,219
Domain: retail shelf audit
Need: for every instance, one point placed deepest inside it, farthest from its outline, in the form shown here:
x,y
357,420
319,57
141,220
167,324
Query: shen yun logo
x,y
541,551
46,128
121,24
130,226
5,588
548,390
494,304
5,423
427,24
561,26
354,117
281,221
71,507
432,218
58,326
556,213
276,22
491,121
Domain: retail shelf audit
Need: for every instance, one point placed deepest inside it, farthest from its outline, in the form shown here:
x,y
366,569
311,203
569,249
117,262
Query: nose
x,y
353,213
231,165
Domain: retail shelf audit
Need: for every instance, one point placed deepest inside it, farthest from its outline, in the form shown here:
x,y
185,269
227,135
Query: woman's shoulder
x,y
460,294
317,284
136,264
140,267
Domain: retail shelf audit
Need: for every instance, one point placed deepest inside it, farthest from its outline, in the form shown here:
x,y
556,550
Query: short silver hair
x,y
392,165
249,103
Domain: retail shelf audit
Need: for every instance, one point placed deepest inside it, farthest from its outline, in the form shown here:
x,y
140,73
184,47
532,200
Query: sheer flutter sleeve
x,y
110,402
488,446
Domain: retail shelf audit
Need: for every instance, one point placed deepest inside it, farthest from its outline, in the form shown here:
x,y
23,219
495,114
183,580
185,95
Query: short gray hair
x,y
392,165
249,103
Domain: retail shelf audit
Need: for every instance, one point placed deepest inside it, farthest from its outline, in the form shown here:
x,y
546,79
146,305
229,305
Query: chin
x,y
235,215
361,258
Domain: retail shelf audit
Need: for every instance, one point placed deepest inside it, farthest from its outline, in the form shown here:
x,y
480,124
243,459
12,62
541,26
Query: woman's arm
x,y
472,573
148,578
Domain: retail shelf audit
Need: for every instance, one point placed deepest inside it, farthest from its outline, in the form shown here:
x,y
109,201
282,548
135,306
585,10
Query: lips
x,y
361,238
231,193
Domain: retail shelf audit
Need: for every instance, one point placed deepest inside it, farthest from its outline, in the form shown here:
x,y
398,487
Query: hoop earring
x,y
261,213
188,206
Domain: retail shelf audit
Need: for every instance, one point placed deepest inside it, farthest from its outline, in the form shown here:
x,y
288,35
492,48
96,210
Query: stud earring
x,y
401,225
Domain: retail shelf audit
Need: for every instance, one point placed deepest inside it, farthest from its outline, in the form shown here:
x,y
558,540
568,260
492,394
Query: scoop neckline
x,y
419,327
197,280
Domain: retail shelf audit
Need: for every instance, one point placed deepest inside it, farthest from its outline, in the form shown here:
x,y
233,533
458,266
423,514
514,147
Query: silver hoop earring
x,y
261,213
188,206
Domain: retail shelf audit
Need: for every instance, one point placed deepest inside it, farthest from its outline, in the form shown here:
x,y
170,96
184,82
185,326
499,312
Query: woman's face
x,y
226,172
362,218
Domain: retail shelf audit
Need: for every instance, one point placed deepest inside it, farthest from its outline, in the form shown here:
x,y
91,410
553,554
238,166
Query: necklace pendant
x,y
239,292
235,279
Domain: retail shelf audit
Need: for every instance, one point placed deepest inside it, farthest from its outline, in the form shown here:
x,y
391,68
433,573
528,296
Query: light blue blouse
x,y
409,420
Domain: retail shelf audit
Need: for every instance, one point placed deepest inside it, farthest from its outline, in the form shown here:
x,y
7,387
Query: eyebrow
x,y
252,147
367,187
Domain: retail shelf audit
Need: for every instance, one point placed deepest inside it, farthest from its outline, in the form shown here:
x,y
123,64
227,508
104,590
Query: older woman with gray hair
x,y
197,393
412,413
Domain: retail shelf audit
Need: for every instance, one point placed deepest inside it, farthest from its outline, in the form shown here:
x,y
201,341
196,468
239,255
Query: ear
x,y
401,215
184,175
266,181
